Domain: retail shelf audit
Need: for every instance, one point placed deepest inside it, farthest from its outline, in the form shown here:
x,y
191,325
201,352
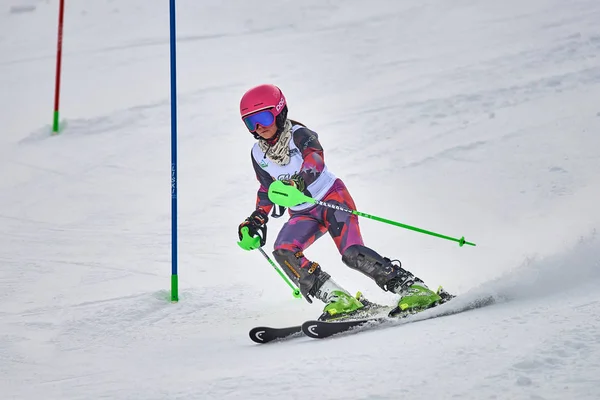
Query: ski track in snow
x,y
472,117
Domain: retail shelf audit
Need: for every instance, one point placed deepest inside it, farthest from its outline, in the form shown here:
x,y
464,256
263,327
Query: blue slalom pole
x,y
174,278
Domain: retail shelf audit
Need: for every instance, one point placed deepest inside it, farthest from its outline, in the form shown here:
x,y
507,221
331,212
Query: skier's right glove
x,y
296,181
257,226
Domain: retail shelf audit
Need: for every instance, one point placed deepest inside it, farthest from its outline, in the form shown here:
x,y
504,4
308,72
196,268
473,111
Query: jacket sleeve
x,y
313,165
265,180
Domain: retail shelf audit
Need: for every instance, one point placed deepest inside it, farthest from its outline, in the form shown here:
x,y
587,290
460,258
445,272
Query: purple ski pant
x,y
306,226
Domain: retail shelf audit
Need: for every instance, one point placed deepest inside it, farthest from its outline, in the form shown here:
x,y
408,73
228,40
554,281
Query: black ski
x,y
263,334
324,329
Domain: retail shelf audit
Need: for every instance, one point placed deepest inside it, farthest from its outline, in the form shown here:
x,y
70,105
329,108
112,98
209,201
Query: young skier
x,y
287,150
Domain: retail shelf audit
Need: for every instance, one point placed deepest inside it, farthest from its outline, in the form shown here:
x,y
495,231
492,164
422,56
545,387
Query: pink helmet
x,y
262,97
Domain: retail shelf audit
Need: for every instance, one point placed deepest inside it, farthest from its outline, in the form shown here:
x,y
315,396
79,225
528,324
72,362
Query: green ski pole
x,y
288,196
295,291
251,243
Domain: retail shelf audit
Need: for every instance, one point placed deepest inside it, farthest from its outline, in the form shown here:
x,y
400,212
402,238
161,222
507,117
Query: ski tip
x,y
257,334
309,328
263,334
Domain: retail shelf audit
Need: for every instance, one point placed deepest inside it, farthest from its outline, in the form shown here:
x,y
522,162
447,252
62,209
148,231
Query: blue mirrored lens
x,y
264,118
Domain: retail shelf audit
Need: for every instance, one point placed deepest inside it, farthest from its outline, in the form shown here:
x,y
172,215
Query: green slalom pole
x,y
253,242
288,196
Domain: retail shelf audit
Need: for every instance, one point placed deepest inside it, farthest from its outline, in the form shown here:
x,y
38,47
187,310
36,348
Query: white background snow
x,y
465,117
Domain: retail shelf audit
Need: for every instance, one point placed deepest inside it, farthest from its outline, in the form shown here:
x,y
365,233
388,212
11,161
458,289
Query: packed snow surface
x,y
467,118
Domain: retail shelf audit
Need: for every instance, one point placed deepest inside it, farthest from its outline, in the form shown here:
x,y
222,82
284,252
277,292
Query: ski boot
x,y
417,297
389,275
345,307
341,305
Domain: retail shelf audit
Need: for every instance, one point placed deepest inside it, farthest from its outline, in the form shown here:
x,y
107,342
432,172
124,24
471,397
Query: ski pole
x,y
289,196
295,290
251,243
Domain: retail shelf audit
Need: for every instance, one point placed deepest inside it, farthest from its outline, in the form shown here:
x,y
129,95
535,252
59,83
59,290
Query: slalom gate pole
x,y
61,14
174,276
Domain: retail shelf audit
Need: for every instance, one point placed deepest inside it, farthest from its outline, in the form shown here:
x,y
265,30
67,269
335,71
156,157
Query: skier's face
x,y
266,132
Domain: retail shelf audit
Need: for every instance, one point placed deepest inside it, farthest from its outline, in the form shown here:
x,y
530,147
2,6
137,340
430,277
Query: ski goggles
x,y
264,118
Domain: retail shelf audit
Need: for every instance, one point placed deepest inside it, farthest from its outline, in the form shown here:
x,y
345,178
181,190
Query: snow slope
x,y
461,117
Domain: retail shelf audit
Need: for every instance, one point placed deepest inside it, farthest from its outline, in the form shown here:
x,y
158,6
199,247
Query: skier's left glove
x,y
257,226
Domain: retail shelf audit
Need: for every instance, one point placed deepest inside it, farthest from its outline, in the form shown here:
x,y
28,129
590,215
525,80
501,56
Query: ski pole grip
x,y
248,242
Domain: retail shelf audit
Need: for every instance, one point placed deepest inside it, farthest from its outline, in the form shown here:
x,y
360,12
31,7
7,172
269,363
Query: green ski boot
x,y
340,305
417,297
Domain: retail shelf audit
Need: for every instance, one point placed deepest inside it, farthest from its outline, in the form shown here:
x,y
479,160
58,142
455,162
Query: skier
x,y
287,150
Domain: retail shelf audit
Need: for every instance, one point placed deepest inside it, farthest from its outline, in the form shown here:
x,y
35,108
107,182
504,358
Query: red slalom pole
x,y
61,14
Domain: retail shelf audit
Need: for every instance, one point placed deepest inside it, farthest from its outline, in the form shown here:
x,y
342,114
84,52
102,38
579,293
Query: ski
x,y
264,334
323,329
